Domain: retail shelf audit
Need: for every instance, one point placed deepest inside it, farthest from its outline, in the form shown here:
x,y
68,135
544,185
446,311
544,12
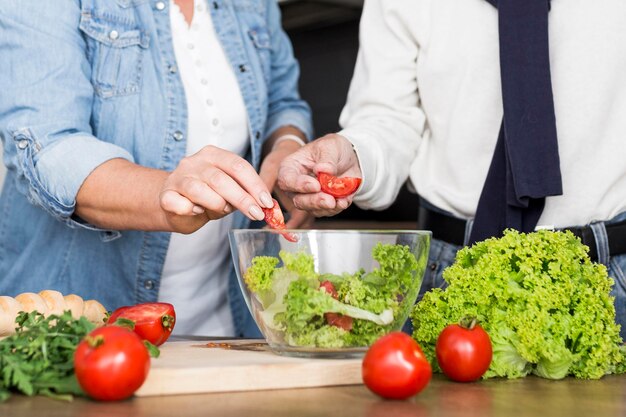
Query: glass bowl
x,y
329,293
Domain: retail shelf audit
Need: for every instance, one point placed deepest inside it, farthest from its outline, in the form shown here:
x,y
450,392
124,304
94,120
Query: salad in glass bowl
x,y
329,293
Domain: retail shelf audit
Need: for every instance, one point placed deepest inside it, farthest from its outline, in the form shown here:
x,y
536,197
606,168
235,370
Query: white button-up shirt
x,y
425,104
195,274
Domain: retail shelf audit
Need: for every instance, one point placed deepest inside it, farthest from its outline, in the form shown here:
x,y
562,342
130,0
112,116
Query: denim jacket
x,y
85,81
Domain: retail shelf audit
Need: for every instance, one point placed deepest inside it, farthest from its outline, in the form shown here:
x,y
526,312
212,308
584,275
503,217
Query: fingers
x,y
175,203
321,204
215,181
294,177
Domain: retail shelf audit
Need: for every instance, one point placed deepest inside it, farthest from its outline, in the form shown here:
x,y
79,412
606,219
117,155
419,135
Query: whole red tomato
x,y
154,322
464,351
111,363
395,367
338,186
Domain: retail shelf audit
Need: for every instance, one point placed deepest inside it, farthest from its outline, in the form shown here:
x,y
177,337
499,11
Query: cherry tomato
x,y
111,363
115,314
329,288
336,319
395,367
275,220
338,187
154,322
464,351
339,320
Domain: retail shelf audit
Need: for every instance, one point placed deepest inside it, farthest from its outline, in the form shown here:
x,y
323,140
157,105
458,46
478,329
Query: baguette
x,y
47,302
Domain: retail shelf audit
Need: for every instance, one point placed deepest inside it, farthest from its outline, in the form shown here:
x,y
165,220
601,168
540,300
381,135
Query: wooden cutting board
x,y
240,365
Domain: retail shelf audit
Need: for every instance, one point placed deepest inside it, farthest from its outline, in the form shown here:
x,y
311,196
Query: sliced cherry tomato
x,y
111,363
464,351
329,288
395,367
276,220
116,313
274,216
338,187
336,319
154,322
339,320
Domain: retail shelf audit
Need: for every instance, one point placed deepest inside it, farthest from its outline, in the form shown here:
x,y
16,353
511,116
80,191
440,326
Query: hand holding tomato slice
x,y
111,363
464,351
154,322
338,187
395,367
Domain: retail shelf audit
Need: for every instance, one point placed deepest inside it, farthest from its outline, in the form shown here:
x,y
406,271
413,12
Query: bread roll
x,y
75,304
94,312
55,302
9,307
32,302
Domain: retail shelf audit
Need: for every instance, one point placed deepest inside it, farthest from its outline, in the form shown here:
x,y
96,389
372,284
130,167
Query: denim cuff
x,y
56,172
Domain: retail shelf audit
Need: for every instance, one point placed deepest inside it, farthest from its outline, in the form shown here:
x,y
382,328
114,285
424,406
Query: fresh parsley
x,y
39,358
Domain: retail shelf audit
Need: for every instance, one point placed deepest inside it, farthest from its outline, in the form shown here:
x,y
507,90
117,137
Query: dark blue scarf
x,y
525,165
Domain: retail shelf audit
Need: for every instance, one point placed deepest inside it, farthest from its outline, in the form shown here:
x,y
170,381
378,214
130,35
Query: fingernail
x,y
266,199
197,210
256,212
228,208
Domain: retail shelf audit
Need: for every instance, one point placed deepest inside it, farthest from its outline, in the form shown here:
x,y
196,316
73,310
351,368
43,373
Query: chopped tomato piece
x,y
338,187
276,220
335,319
329,288
339,320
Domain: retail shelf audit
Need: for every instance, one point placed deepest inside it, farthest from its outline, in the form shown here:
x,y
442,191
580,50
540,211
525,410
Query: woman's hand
x,y
298,219
210,185
297,175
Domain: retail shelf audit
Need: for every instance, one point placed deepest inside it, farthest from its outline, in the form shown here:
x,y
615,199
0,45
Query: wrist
x,y
288,139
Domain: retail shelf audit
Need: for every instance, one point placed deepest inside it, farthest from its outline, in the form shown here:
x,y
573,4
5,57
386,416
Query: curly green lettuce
x,y
288,289
545,305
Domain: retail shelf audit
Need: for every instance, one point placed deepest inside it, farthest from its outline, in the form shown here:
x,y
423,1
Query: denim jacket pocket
x,y
115,50
260,38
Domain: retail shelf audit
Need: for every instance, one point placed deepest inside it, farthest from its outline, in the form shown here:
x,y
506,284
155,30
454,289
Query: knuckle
x,y
216,179
193,187
239,164
186,163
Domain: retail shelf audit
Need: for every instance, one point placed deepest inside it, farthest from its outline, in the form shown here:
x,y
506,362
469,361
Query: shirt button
x,y
215,122
114,34
148,284
191,46
22,144
257,134
242,68
204,81
209,102
178,135
173,69
159,6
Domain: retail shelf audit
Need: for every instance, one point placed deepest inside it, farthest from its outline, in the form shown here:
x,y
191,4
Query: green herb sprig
x,y
39,358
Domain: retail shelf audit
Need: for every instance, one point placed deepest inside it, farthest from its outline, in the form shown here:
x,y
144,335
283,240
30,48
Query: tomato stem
x,y
168,322
468,322
94,341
